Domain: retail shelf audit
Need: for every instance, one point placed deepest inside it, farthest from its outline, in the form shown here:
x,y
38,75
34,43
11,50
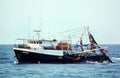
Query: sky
x,y
18,17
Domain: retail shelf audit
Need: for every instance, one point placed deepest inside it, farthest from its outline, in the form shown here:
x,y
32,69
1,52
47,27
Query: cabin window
x,y
37,42
54,40
40,42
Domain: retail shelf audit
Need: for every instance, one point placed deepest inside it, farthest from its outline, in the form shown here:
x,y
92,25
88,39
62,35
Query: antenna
x,y
37,33
39,22
29,27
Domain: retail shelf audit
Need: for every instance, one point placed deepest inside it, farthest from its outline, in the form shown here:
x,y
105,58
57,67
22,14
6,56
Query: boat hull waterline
x,y
31,57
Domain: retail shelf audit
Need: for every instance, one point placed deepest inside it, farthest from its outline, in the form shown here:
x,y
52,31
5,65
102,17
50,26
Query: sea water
x,y
10,69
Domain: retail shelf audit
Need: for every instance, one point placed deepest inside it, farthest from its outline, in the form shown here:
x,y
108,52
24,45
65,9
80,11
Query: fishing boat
x,y
61,52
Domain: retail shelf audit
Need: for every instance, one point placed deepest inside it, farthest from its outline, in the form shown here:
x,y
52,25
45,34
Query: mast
x,y
94,44
81,44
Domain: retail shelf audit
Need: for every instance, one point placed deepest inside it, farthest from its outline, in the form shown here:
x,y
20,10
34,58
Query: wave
x,y
92,62
15,62
116,58
4,58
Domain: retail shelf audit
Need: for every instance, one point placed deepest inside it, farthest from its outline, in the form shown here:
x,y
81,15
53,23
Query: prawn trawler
x,y
55,51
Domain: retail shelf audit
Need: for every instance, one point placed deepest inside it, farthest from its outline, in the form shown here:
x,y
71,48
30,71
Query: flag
x,y
92,40
93,43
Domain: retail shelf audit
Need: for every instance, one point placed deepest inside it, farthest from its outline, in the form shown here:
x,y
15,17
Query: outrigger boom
x,y
86,51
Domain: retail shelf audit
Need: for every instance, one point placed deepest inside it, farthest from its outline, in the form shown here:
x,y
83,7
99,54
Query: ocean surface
x,y
10,69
